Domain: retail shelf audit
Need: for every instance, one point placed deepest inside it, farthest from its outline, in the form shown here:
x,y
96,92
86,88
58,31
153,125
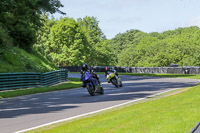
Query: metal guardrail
x,y
172,70
54,77
30,79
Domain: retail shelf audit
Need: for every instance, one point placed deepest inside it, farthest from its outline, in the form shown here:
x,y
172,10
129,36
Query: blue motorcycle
x,y
92,84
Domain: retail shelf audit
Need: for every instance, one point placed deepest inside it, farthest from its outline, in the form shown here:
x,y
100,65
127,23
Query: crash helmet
x,y
113,69
85,67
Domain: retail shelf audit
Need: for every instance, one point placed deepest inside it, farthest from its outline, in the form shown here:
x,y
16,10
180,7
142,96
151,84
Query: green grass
x,y
173,114
73,83
192,76
13,59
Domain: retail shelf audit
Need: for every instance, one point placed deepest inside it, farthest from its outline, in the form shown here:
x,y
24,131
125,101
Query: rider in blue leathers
x,y
85,67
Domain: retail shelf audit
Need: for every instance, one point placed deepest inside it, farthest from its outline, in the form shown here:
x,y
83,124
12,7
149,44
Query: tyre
x,y
101,90
114,82
91,90
120,85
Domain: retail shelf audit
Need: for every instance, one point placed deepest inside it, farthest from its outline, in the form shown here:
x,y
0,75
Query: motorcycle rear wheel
x,y
120,85
101,90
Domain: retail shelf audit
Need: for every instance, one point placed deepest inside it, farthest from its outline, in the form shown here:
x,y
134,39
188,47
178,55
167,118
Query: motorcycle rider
x,y
85,68
112,69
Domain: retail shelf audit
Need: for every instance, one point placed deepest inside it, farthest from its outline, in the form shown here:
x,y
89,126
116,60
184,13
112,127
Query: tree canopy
x,y
67,42
70,42
21,19
180,46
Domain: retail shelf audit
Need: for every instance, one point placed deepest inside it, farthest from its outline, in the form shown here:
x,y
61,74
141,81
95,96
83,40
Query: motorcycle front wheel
x,y
91,90
114,81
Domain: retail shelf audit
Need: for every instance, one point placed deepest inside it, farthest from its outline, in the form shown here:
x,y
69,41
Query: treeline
x,y
180,46
68,42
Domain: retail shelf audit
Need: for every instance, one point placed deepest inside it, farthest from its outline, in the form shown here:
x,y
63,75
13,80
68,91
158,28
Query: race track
x,y
33,110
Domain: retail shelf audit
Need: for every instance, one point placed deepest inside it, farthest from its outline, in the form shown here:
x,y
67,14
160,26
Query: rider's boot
x,y
99,82
83,84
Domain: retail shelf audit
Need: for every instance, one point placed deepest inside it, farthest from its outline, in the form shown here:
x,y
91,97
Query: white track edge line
x,y
93,112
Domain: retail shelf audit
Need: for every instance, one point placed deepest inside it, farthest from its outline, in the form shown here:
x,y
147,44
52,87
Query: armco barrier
x,y
19,80
30,79
172,70
54,77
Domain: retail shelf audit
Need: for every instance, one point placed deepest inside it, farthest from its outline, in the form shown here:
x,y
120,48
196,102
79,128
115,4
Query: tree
x,y
125,40
21,18
43,35
68,45
180,46
100,51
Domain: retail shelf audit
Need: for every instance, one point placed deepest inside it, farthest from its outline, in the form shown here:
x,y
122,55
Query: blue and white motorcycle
x,y
92,84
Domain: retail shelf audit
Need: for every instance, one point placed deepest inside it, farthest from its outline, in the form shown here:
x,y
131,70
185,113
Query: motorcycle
x,y
92,84
115,80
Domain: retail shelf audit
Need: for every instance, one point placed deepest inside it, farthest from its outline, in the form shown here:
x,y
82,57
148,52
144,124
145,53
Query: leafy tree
x,y
125,40
104,55
95,38
67,45
43,35
21,18
5,39
180,46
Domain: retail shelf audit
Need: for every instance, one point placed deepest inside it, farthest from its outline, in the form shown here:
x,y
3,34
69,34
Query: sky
x,y
118,16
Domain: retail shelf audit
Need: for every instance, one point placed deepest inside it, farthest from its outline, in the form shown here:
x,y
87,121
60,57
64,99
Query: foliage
x,y
69,42
104,55
67,45
95,38
180,46
62,40
21,19
99,48
43,35
124,41
5,39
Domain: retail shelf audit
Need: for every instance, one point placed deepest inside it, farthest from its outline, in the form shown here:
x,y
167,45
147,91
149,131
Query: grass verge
x,y
72,83
177,113
192,76
13,59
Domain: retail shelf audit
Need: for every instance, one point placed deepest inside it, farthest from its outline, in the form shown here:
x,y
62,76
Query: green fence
x,y
54,77
27,80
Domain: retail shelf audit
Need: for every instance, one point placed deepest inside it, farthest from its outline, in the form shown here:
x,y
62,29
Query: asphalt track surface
x,y
30,111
